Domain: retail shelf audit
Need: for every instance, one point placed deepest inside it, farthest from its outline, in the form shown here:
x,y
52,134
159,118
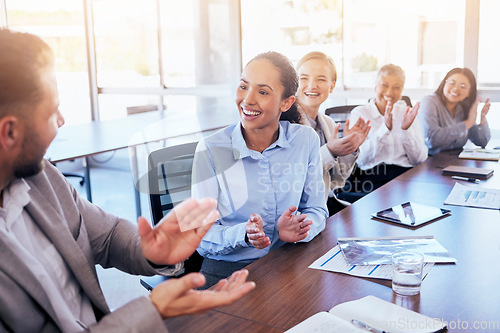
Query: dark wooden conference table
x,y
466,295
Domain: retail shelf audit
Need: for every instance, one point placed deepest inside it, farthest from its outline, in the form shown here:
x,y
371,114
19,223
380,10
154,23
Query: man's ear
x,y
10,131
287,103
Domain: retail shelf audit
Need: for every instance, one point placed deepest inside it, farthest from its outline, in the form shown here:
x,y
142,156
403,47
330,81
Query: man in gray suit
x,y
51,238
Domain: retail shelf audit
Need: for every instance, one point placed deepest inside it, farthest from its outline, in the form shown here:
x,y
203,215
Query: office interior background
x,y
114,55
171,55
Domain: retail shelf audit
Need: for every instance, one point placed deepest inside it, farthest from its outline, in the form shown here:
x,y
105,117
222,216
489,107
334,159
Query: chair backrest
x,y
169,177
143,108
342,109
169,184
407,100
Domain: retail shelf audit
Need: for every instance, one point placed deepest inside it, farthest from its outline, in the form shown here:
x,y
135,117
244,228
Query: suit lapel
x,y
12,265
54,226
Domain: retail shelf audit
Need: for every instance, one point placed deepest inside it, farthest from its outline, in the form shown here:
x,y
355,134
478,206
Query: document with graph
x,y
471,196
334,261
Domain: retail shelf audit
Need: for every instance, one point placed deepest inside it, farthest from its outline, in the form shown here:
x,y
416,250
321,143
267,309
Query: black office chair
x,y
70,174
169,180
407,100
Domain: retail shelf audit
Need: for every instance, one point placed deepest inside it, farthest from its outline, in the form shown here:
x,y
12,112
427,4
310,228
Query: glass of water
x,y
407,272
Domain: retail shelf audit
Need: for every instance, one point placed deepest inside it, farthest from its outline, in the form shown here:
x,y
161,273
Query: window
x,y
292,27
425,38
126,43
60,23
196,43
152,49
178,43
190,47
488,71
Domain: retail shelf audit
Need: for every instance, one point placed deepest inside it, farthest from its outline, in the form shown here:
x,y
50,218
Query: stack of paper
x,y
480,154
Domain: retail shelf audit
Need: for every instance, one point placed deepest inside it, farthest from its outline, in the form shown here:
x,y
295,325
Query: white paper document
x,y
334,261
375,314
471,196
480,154
379,250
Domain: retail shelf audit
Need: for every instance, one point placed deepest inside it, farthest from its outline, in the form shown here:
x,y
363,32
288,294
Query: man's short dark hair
x,y
23,58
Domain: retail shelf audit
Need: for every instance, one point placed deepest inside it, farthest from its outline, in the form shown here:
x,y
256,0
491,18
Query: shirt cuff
x,y
167,270
333,155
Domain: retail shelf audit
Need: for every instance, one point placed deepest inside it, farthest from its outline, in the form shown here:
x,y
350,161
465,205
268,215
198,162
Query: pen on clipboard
x,y
367,327
470,180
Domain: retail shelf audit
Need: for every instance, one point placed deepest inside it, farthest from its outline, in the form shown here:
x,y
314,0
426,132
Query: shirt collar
x,y
374,110
312,121
15,198
240,149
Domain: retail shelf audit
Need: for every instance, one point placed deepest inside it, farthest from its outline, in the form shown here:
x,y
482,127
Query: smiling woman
x,y
449,115
246,167
317,78
395,142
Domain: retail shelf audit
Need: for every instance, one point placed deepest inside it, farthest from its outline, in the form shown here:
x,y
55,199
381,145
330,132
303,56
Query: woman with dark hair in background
x,y
448,116
262,171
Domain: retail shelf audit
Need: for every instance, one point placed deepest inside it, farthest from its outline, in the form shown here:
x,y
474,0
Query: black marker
x,y
470,180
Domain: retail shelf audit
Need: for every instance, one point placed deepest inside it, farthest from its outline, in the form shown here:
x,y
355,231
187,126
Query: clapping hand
x,y
409,116
293,228
255,232
471,118
485,110
388,116
176,297
179,233
352,139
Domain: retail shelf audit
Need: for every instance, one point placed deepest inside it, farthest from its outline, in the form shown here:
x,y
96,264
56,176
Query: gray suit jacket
x,y
84,235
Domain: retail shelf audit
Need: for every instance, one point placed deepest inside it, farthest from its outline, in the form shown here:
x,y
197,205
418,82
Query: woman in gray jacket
x,y
448,116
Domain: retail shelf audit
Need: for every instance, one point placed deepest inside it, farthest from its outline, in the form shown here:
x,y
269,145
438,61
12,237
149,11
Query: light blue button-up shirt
x,y
288,173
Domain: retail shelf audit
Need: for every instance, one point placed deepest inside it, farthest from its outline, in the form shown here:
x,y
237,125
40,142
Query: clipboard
x,y
411,214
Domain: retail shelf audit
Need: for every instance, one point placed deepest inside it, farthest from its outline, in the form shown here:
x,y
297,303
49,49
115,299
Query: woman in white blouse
x,y
395,142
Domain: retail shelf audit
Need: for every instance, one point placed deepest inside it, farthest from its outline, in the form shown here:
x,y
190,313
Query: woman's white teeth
x,y
312,94
251,113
